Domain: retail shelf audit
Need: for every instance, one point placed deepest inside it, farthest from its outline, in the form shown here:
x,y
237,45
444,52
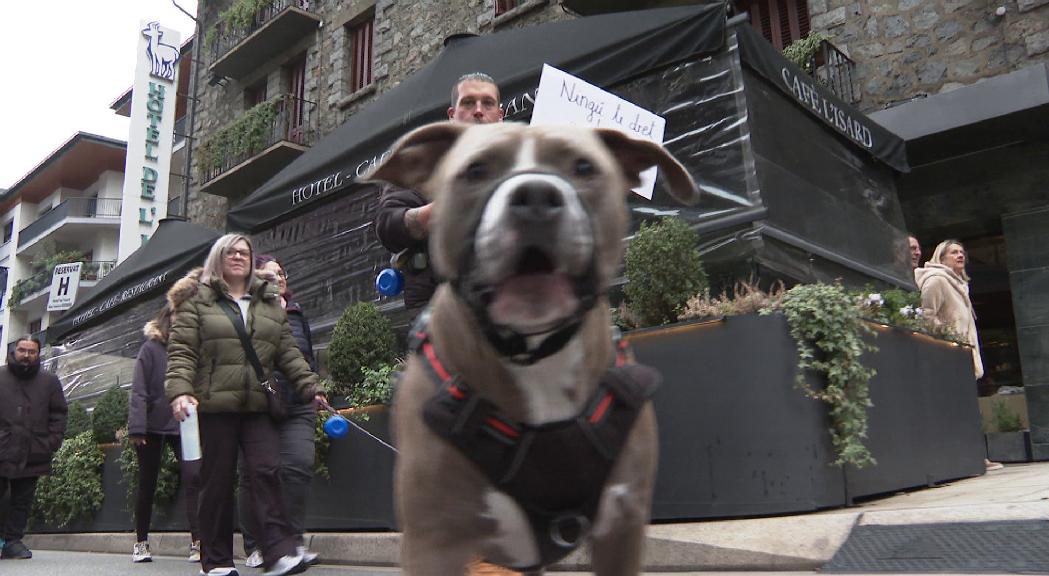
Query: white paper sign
x,y
564,99
64,284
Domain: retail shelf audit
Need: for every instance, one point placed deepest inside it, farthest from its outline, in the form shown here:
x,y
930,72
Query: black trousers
x,y
13,520
150,457
255,434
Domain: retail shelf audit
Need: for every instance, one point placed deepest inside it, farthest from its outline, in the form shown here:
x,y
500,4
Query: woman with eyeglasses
x,y
296,432
208,369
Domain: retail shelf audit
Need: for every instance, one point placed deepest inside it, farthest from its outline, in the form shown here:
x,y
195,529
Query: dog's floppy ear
x,y
636,156
412,159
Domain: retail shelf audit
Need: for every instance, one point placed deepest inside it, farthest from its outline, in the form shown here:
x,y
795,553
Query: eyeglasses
x,y
233,252
283,274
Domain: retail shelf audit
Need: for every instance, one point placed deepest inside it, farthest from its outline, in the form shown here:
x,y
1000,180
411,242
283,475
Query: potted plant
x,y
1007,441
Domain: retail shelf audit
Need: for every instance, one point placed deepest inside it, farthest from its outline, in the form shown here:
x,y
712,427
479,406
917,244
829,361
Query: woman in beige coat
x,y
945,298
945,295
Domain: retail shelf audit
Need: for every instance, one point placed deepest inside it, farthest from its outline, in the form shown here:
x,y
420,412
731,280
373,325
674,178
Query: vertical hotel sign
x,y
145,195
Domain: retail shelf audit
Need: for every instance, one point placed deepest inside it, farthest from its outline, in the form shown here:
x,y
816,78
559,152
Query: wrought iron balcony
x,y
236,52
834,70
70,208
241,156
40,282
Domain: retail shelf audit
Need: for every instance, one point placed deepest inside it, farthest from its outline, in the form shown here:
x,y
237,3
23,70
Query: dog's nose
x,y
536,201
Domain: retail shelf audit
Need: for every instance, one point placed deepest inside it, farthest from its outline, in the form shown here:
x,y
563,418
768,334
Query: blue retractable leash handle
x,y
390,281
336,426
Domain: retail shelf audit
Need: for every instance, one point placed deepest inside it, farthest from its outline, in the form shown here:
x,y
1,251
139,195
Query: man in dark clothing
x,y
403,220
32,422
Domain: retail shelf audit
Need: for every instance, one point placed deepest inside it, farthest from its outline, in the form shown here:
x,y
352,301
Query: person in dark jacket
x,y
208,371
296,432
32,422
151,426
402,222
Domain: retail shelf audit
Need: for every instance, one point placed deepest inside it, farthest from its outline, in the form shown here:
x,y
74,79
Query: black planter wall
x,y
737,438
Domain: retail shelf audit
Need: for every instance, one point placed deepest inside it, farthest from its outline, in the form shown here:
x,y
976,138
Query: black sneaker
x,y
15,550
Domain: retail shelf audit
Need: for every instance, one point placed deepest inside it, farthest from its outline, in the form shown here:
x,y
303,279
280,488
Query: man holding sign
x,y
403,221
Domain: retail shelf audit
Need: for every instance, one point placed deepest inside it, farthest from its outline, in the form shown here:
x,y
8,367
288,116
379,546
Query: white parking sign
x,y
64,284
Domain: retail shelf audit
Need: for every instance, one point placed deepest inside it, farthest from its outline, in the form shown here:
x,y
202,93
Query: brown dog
x,y
512,374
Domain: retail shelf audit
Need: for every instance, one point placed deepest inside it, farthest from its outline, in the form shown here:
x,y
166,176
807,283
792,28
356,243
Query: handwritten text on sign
x,y
564,99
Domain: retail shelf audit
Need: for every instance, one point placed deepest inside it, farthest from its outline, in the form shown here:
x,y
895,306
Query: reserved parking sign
x,y
64,284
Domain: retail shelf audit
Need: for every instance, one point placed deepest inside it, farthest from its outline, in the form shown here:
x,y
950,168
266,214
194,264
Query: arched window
x,y
779,21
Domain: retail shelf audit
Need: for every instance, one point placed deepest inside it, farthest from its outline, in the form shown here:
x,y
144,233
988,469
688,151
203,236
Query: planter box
x,y
737,438
1009,446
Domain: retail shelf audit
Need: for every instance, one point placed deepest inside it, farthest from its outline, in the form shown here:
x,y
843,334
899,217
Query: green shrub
x,y
167,479
74,488
663,270
361,339
78,420
110,415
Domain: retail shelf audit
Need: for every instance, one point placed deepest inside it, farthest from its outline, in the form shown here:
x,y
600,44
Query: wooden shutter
x,y
779,21
361,54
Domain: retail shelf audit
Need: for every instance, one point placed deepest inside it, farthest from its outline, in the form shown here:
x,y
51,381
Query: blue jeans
x,y
296,472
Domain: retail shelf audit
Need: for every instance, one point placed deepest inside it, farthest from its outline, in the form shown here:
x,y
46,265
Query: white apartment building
x,y
67,208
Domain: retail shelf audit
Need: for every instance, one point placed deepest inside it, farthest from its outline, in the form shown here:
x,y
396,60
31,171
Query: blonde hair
x,y
213,263
941,251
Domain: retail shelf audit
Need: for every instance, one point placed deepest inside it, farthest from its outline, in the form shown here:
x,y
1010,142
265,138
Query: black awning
x,y
819,101
603,50
174,248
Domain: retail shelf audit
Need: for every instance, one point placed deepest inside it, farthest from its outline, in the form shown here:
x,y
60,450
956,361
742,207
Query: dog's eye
x,y
584,167
476,171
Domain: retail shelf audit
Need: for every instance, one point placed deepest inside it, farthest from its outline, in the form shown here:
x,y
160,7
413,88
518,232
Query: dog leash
x,y
350,421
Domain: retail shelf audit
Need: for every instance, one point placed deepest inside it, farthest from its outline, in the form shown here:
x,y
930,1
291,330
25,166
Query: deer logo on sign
x,y
162,56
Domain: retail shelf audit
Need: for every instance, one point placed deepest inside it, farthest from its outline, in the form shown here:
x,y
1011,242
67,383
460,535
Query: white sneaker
x,y
140,553
310,558
194,551
220,572
287,565
254,560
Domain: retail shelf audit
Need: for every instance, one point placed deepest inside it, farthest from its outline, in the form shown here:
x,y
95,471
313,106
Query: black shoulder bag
x,y
274,403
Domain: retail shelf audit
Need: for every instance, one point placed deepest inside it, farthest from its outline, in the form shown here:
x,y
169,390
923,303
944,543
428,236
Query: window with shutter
x,y
779,21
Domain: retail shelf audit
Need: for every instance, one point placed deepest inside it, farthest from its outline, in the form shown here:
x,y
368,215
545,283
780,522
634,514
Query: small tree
x,y
110,415
663,270
77,421
361,339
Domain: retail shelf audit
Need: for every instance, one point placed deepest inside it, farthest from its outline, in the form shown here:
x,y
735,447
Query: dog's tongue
x,y
532,298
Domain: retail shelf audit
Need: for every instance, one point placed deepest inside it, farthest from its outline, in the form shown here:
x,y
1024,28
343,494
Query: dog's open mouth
x,y
535,295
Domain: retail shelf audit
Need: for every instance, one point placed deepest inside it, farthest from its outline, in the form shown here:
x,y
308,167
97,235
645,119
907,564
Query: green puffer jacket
x,y
206,359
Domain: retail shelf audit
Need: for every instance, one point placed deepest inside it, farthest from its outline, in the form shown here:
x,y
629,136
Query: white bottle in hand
x,y
190,435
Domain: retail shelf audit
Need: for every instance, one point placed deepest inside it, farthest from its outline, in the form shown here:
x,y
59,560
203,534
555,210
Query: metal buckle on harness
x,y
568,530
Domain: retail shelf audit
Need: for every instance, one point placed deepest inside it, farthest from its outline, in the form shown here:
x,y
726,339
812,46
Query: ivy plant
x,y
39,278
74,488
246,135
663,270
828,330
236,19
167,479
801,52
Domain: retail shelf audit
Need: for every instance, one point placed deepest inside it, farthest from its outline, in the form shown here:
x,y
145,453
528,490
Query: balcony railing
x,y
292,120
834,70
222,39
90,271
69,208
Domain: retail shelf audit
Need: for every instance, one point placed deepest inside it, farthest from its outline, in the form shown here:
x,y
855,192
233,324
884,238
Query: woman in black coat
x,y
151,426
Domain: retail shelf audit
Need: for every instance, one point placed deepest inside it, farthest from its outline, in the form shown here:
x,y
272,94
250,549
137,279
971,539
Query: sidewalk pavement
x,y
785,543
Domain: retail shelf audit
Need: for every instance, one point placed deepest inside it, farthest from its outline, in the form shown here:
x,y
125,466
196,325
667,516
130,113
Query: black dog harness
x,y
557,471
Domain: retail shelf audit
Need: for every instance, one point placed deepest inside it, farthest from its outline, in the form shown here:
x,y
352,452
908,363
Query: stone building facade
x,y
912,48
407,35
